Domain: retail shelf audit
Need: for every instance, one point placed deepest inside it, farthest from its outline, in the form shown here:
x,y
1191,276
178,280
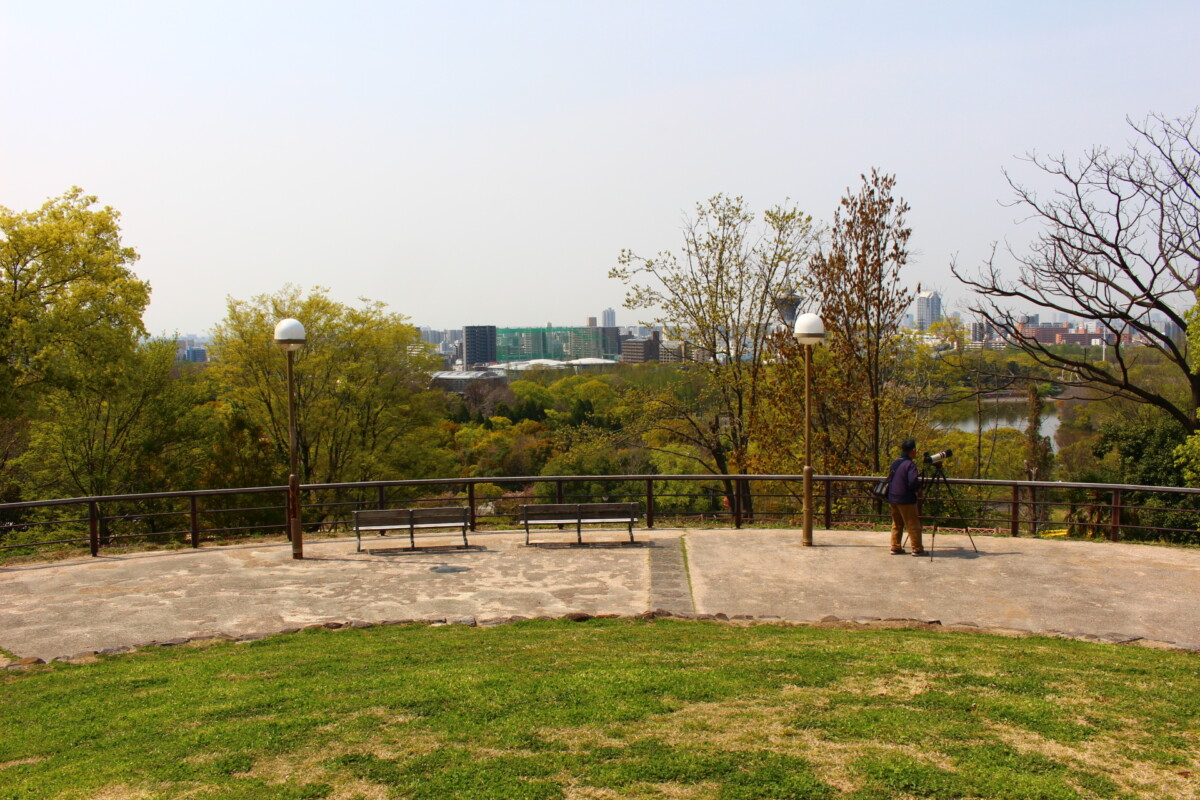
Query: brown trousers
x,y
905,518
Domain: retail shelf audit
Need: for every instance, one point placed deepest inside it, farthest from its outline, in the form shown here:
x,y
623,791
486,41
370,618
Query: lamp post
x,y
289,336
809,330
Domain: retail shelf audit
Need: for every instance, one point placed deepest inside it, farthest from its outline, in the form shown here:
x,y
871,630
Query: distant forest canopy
x,y
90,406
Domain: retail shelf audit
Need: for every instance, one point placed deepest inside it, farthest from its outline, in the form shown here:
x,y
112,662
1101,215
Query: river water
x,y
1003,414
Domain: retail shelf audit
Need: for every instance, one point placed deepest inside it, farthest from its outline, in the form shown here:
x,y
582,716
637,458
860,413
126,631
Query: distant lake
x,y
1001,414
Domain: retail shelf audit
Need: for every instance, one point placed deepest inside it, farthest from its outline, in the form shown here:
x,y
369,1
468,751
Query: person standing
x,y
902,499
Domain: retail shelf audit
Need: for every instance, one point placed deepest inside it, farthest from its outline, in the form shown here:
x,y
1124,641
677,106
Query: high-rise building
x,y
190,350
982,331
929,309
608,318
610,342
641,349
479,345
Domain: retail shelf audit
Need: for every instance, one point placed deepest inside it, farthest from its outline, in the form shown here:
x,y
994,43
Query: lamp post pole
x,y
807,539
289,335
809,330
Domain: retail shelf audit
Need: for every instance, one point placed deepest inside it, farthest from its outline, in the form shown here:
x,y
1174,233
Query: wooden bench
x,y
411,520
578,514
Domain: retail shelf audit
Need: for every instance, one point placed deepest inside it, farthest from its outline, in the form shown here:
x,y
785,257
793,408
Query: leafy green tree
x,y
598,453
1145,449
1039,456
501,448
66,289
364,410
125,425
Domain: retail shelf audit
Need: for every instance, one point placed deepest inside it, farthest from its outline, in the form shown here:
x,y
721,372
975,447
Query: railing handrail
x,y
526,479
106,521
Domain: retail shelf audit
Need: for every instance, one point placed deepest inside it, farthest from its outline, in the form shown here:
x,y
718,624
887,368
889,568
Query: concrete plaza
x,y
1114,591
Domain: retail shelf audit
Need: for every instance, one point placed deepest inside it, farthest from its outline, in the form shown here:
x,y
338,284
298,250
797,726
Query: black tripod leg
x,y
940,478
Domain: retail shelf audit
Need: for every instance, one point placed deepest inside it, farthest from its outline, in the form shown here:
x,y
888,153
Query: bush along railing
x,y
840,502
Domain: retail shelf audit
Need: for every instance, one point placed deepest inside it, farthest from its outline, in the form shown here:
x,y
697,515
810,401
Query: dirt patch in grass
x,y
121,791
1105,757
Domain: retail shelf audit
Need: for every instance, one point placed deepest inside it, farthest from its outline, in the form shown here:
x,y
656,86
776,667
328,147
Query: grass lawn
x,y
609,709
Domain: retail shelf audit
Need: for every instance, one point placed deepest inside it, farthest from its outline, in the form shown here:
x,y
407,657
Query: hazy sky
x,y
485,162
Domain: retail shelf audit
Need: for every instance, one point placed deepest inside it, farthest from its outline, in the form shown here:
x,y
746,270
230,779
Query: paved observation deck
x,y
1113,591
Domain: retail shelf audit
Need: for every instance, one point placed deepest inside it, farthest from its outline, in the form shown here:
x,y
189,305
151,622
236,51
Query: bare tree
x,y
718,293
857,280
1120,244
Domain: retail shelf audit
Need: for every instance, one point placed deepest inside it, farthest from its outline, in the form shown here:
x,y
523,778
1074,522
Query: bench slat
x,y
412,519
578,514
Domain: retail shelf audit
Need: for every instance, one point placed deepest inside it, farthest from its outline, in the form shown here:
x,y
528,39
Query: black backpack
x,y
880,490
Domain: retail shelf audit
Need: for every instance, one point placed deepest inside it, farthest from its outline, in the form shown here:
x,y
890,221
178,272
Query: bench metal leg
x,y
579,528
465,536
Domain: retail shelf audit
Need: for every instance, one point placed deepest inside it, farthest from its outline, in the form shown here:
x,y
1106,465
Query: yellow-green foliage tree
x,y
66,291
364,409
65,288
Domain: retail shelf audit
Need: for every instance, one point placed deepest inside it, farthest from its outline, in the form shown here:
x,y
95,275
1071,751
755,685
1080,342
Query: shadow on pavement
x,y
586,545
401,551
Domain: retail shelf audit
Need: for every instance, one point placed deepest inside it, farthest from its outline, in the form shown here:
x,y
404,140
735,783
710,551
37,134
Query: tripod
x,y
939,488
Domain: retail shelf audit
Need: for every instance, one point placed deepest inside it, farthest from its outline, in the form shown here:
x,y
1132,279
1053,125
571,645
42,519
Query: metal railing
x,y
841,502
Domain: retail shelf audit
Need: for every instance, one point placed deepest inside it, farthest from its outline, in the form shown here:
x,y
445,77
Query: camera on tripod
x,y
938,458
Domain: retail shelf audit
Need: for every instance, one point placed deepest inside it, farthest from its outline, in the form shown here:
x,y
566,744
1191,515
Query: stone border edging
x,y
745,620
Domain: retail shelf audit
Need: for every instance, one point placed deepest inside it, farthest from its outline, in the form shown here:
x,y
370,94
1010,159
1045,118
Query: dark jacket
x,y
902,491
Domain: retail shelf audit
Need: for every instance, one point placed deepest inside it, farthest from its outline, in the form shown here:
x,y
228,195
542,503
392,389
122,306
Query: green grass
x,y
609,709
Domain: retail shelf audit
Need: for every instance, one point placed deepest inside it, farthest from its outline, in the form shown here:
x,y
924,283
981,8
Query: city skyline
x,y
452,160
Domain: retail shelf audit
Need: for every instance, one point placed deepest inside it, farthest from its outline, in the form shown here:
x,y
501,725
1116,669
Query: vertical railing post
x,y
649,502
737,503
828,504
194,514
1033,511
94,528
1114,532
558,491
1016,511
381,497
471,504
287,510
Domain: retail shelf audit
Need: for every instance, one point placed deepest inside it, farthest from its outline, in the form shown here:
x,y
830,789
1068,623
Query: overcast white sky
x,y
485,162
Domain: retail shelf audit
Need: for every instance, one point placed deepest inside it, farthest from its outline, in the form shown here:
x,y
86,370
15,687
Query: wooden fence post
x,y
194,514
1016,511
1114,533
737,503
649,502
471,503
287,511
828,504
94,528
1033,511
